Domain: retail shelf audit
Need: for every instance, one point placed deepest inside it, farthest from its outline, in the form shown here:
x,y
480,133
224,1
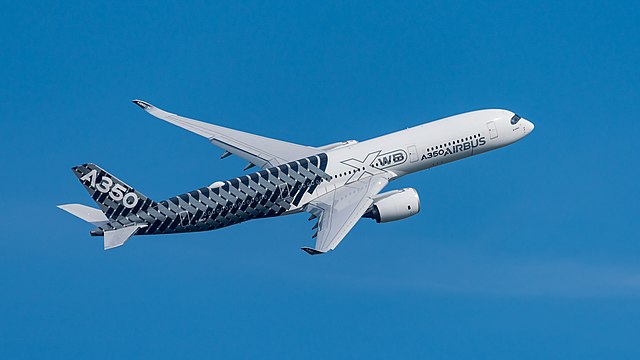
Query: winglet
x,y
311,251
143,104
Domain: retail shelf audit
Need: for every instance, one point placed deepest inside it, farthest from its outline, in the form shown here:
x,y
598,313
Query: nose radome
x,y
528,126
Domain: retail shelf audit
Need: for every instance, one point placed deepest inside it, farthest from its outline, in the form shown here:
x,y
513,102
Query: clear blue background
x,y
528,252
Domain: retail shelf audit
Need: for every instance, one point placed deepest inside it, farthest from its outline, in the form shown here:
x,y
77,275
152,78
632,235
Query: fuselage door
x,y
413,153
493,131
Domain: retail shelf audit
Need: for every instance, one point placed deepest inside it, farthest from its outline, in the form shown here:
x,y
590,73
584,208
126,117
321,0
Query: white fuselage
x,y
421,147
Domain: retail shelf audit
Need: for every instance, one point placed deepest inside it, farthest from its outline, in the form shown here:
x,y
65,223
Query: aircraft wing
x,y
257,150
339,210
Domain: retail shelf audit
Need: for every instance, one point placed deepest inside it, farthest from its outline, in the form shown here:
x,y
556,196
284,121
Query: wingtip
x,y
311,251
143,104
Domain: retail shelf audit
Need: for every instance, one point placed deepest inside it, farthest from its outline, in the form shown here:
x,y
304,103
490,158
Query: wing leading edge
x,y
257,150
339,210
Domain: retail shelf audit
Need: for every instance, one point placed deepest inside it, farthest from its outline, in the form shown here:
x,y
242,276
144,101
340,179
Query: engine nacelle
x,y
394,205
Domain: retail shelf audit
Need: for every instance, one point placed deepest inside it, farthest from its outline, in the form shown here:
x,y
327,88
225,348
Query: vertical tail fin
x,y
115,198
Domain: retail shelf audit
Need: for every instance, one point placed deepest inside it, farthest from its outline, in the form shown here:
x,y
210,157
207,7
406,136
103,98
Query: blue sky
x,y
527,252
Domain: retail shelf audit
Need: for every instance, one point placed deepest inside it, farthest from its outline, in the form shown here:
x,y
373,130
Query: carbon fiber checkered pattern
x,y
94,178
262,194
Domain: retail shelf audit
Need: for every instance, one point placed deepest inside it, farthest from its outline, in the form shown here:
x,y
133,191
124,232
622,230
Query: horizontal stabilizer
x,y
86,213
118,237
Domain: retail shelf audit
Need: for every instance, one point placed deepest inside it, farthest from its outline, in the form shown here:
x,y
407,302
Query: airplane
x,y
337,184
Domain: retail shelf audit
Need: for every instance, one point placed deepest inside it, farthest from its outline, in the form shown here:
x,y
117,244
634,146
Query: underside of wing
x,y
257,150
339,210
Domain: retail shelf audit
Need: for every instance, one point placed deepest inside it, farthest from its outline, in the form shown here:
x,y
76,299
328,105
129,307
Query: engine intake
x,y
394,205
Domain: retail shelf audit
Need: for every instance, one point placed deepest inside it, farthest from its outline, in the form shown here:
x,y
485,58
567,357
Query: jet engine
x,y
394,205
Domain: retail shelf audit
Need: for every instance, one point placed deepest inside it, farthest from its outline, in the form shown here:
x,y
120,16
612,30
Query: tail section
x,y
115,198
119,202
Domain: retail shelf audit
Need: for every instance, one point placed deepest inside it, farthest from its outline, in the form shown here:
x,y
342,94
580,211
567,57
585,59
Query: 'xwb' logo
x,y
392,158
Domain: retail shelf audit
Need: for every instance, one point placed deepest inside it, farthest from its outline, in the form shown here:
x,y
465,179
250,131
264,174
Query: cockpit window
x,y
515,119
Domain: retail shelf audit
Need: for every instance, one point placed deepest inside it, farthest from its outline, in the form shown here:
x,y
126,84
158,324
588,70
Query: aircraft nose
x,y
528,126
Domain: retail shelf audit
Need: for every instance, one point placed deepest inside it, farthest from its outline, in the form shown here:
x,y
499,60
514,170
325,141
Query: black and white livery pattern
x,y
266,193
